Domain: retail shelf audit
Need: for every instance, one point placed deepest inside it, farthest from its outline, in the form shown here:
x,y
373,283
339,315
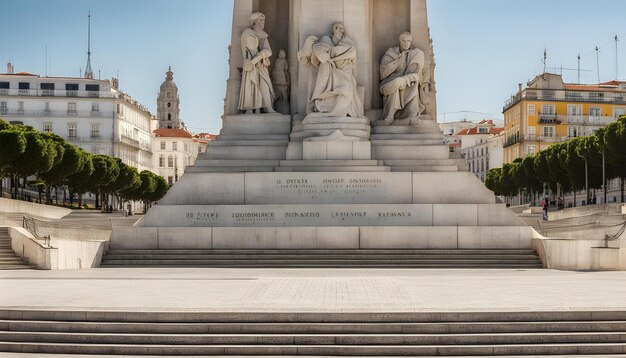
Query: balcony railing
x,y
98,139
56,93
135,143
57,114
535,138
565,96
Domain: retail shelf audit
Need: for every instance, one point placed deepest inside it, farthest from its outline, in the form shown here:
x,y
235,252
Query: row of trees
x,y
567,167
25,152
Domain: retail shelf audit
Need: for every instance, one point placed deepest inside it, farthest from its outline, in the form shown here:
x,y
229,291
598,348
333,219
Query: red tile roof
x,y
172,133
474,131
19,74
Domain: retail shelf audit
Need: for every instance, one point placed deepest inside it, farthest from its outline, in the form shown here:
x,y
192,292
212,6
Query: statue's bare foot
x,y
388,120
270,110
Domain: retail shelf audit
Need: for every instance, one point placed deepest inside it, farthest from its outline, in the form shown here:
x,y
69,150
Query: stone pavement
x,y
312,290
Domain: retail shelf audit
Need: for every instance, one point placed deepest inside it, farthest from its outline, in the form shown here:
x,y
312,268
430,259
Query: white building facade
x,y
482,147
175,149
88,113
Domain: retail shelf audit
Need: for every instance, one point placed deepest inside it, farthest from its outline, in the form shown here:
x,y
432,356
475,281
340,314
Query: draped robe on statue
x,y
335,92
400,83
256,86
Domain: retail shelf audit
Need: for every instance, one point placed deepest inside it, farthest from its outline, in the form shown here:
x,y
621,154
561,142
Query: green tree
x,y
72,162
105,171
38,157
12,146
160,189
79,181
614,137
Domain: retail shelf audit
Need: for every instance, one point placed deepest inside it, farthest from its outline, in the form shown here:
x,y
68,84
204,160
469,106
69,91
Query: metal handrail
x,y
618,234
28,223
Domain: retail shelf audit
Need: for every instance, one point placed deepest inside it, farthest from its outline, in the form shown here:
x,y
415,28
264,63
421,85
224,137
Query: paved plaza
x,y
312,290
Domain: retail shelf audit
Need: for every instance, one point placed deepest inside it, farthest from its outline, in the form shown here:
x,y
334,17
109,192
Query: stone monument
x,y
355,161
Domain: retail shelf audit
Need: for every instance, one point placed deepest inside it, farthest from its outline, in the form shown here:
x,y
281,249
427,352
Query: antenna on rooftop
x,y
46,61
578,68
88,71
616,58
545,58
598,62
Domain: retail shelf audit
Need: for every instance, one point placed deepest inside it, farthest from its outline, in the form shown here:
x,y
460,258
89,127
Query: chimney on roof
x,y
9,68
520,87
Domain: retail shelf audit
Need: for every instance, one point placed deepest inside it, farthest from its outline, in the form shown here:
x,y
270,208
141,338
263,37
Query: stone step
x,y
333,169
229,169
425,168
236,163
417,136
245,137
423,142
313,257
305,264
417,162
317,339
334,252
328,350
312,327
329,163
151,316
17,267
227,143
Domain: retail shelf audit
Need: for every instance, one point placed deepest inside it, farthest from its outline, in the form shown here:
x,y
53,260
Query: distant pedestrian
x,y
546,207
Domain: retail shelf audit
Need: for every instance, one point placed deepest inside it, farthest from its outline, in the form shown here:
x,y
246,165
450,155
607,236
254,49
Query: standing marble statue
x,y
335,91
256,91
280,78
400,74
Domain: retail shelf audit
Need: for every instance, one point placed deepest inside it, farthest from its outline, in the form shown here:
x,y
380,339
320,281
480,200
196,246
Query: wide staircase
x,y
487,258
8,259
567,333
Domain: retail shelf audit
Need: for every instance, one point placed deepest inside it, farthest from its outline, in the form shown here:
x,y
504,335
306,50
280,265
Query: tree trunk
x,y
622,189
80,200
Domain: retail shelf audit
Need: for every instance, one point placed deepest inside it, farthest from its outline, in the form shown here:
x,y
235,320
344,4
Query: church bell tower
x,y
168,103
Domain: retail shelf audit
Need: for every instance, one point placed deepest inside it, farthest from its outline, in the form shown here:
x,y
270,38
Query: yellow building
x,y
548,111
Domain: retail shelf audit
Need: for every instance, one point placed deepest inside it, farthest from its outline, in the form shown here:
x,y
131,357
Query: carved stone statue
x,y
401,82
280,78
335,91
256,91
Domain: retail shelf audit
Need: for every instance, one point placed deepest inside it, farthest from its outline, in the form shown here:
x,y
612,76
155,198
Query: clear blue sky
x,y
483,48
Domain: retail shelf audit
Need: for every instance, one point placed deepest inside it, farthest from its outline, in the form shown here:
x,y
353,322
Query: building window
x,y
483,130
162,161
530,150
71,108
95,130
170,161
46,107
619,112
573,110
162,145
71,130
548,109
95,88
168,95
169,116
169,104
4,107
47,86
95,107
47,127
170,180
174,145
20,107
532,110
595,111
25,86
185,146
548,132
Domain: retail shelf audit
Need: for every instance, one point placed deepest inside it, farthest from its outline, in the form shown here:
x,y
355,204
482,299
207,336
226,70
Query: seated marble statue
x,y
335,91
256,91
400,74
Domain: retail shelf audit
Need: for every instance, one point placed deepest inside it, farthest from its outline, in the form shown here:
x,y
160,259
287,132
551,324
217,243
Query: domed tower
x,y
168,103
